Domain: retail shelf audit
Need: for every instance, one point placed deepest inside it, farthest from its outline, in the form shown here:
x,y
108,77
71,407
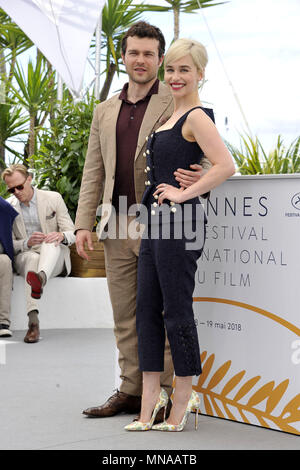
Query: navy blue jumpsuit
x,y
166,268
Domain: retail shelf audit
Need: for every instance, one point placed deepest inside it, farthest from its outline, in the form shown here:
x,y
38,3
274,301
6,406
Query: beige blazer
x,y
99,171
53,216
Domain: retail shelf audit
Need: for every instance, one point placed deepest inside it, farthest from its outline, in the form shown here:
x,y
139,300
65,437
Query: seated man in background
x,y
7,217
42,232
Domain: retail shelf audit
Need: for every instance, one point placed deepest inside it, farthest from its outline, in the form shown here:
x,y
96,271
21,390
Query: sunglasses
x,y
19,187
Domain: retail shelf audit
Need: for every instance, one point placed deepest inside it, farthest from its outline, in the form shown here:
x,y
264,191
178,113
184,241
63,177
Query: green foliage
x,y
3,192
251,158
35,91
35,94
13,42
12,124
60,160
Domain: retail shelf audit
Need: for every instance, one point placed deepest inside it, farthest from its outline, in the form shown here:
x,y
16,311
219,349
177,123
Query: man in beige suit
x,y
115,168
41,234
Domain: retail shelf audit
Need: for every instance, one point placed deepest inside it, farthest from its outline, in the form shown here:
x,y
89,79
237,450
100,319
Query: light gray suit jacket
x,y
54,217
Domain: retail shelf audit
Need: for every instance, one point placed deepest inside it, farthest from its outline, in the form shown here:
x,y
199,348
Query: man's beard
x,y
141,81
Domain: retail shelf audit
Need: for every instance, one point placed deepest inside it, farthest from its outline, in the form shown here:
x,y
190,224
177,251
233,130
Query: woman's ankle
x,y
179,405
149,400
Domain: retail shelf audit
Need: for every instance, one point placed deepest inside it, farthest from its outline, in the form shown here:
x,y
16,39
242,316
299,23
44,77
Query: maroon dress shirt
x,y
127,131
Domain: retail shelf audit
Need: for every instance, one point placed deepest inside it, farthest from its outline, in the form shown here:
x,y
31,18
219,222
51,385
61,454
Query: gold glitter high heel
x,y
193,404
161,403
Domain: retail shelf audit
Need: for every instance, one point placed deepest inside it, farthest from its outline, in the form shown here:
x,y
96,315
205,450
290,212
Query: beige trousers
x,y
6,279
48,258
121,258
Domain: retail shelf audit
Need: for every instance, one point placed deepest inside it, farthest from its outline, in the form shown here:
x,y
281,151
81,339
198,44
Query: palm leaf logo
x,y
235,405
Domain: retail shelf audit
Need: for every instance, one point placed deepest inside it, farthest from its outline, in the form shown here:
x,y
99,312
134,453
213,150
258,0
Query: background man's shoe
x,y
120,402
5,331
33,334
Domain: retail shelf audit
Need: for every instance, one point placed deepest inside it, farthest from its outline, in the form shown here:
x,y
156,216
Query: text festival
x,y
244,245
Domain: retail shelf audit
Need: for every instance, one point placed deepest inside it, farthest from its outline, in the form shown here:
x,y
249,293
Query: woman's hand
x,y
166,191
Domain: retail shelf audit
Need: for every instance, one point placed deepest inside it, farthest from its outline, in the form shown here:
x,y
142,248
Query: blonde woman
x,y
166,272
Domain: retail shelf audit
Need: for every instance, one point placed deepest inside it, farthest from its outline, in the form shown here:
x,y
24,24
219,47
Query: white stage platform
x,y
69,302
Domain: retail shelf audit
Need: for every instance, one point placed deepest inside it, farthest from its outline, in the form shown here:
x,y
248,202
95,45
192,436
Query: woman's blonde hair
x,y
182,47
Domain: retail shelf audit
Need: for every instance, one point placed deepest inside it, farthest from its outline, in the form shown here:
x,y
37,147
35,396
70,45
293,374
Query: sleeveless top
x,y
168,150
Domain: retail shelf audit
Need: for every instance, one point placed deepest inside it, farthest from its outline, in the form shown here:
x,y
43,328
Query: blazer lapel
x,y
19,225
109,133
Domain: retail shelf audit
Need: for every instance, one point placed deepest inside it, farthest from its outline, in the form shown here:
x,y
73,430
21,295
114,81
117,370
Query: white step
x,y
67,302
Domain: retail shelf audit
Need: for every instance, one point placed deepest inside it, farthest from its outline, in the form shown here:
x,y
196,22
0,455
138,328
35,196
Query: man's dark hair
x,y
141,29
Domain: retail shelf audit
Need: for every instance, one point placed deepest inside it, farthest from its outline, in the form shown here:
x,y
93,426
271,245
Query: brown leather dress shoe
x,y
33,334
160,415
119,402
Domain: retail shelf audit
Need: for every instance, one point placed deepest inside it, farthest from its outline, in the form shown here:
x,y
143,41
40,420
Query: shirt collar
x,y
32,201
153,91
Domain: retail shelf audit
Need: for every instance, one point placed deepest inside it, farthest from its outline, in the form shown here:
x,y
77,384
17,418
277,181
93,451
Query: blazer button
x,y
173,209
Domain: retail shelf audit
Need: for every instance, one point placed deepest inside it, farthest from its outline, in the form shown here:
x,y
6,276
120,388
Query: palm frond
x,y
252,159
